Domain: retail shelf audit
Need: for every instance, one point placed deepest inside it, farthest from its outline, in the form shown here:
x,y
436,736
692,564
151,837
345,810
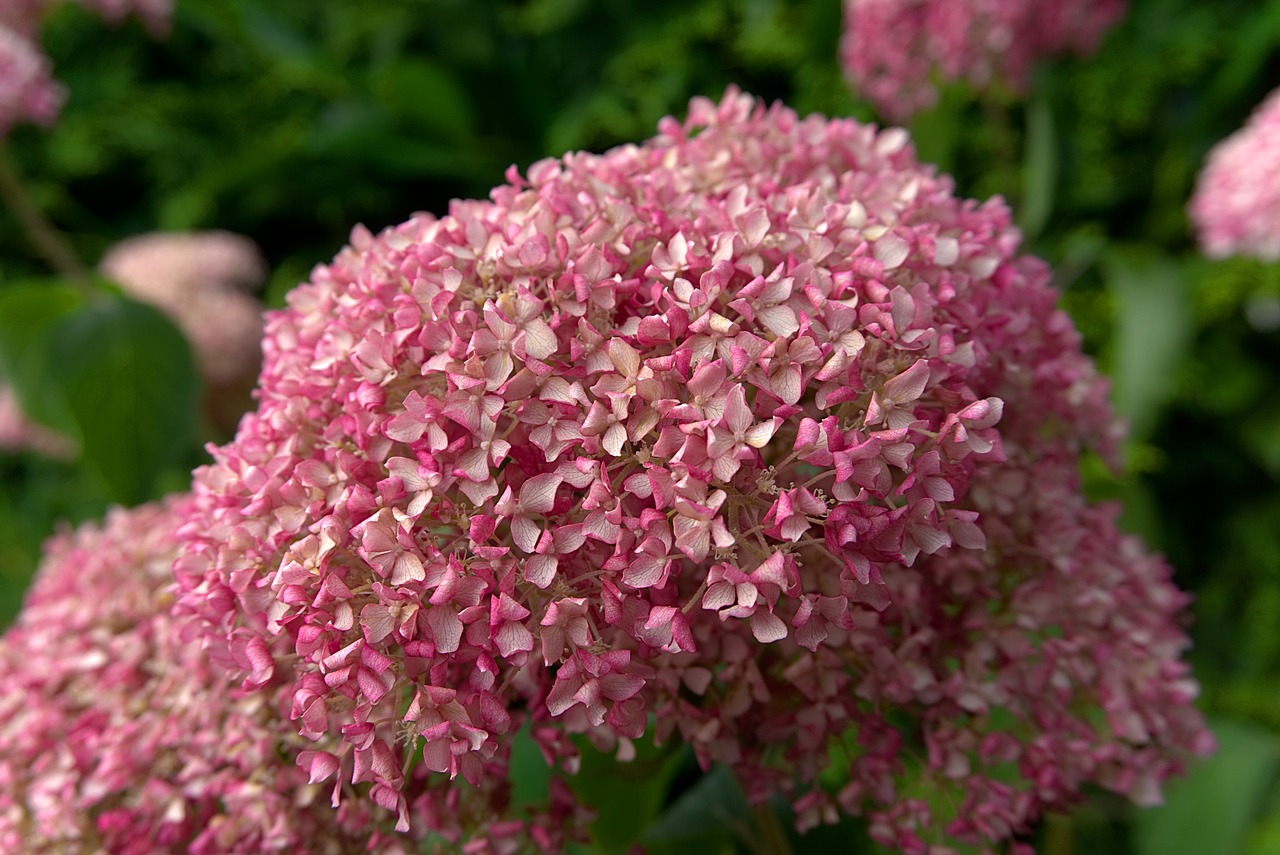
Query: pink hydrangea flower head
x,y
1235,209
116,735
894,50
28,92
202,281
24,16
728,430
155,14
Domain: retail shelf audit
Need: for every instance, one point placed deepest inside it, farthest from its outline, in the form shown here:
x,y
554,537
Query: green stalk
x,y
44,235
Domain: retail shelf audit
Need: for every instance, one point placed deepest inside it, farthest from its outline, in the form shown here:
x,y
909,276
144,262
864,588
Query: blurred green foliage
x,y
293,120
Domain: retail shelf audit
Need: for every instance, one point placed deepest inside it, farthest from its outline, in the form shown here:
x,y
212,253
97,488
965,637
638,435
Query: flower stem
x,y
44,236
773,837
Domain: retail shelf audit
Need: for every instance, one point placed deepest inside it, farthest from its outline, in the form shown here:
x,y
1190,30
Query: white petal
x,y
614,437
767,627
891,251
779,320
538,494
539,339
446,628
540,570
524,532
946,251
759,435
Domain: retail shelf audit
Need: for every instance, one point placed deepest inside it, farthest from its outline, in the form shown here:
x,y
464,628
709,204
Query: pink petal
x,y
538,494
909,385
524,532
767,627
539,339
891,251
540,570
445,628
376,621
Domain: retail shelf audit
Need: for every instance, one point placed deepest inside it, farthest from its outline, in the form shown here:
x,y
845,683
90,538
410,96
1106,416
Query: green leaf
x,y
1244,64
706,819
1213,808
1152,331
530,774
29,310
130,386
1039,169
626,796
427,96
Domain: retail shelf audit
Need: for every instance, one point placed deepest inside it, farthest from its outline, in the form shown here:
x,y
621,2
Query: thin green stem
x,y
43,234
773,837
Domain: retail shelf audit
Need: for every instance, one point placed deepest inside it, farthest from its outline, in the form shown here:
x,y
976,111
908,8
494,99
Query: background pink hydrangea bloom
x,y
203,281
117,735
753,429
894,51
154,13
28,92
1235,209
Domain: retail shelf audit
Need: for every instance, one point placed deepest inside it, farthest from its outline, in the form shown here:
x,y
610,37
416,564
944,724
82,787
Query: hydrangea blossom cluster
x,y
203,281
1236,205
892,49
117,736
28,92
753,431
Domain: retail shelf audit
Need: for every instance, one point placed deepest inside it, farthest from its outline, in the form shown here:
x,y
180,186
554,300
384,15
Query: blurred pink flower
x,y
28,92
1235,209
895,51
753,430
201,280
154,13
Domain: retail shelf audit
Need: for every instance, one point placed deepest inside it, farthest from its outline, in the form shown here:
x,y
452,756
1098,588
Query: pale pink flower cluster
x,y
895,51
28,92
1235,209
118,736
752,436
154,13
202,281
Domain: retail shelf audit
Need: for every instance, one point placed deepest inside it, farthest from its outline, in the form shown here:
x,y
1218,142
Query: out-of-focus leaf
x,y
1039,168
1153,326
936,132
130,385
540,17
1248,56
293,55
705,820
626,796
28,312
530,774
427,95
1261,435
1212,809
